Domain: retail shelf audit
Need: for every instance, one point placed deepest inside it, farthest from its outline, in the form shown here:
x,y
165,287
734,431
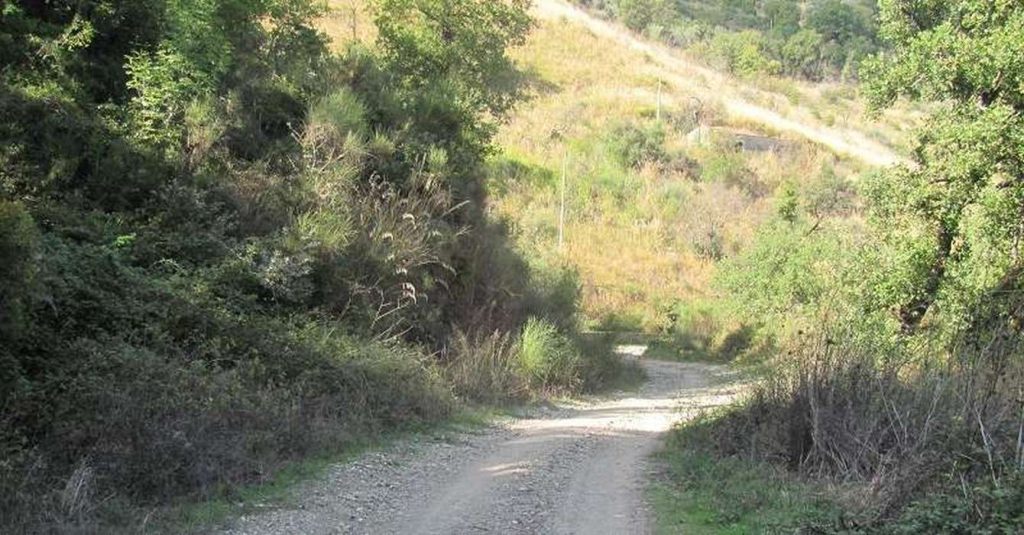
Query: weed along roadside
x,y
445,266
560,467
875,304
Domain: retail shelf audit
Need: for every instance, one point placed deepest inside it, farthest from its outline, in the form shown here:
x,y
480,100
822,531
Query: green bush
x,y
341,112
743,53
986,507
728,166
547,358
634,145
19,245
639,15
224,249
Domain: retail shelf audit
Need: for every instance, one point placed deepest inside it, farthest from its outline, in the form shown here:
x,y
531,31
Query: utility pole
x,y
658,113
355,32
561,209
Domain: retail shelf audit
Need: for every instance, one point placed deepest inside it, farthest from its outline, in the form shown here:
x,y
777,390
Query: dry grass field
x,y
645,235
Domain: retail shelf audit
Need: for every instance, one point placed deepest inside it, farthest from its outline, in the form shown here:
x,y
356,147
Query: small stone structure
x,y
744,141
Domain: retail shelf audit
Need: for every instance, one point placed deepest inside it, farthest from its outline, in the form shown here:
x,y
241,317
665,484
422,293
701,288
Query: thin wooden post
x,y
561,209
658,113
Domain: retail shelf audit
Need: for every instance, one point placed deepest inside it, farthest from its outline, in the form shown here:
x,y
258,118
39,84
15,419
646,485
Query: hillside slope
x,y
686,77
647,213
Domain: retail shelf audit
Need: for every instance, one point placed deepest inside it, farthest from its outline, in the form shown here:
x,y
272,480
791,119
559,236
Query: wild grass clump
x,y
932,444
485,368
547,358
543,361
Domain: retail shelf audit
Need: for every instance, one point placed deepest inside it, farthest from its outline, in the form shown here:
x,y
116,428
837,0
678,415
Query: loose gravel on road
x,y
579,467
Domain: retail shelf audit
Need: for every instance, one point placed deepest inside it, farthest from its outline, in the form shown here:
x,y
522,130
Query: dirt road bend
x,y
575,467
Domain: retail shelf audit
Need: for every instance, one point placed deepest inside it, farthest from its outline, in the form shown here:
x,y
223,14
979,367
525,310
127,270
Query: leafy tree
x,y
965,190
837,20
783,17
639,14
455,42
801,54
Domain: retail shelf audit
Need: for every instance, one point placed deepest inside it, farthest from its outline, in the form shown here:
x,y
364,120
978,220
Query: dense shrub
x,y
224,248
813,40
634,145
639,15
547,358
742,53
18,246
856,409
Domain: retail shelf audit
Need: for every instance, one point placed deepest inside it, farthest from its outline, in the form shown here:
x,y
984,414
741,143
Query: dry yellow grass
x,y
633,246
633,234
347,21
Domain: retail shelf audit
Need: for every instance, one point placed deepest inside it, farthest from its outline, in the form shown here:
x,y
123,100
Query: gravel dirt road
x,y
576,467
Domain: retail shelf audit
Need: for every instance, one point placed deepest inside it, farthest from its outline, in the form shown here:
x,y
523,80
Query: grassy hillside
x,y
883,303
648,213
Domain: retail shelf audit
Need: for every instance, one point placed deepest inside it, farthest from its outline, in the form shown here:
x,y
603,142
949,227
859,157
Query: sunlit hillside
x,y
646,234
648,211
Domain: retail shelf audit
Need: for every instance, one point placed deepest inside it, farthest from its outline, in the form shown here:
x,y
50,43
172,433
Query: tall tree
x,y
964,193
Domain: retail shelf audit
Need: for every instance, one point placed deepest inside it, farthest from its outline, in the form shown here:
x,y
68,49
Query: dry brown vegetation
x,y
643,237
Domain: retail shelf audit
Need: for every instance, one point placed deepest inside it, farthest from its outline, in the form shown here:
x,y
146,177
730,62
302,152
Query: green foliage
x,y
984,508
639,15
967,155
787,273
341,113
828,195
742,53
706,493
19,244
899,336
225,248
454,43
839,21
634,145
728,166
815,40
787,202
547,358
801,53
783,17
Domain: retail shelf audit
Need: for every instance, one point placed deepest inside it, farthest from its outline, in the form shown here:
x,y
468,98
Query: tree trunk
x,y
911,313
